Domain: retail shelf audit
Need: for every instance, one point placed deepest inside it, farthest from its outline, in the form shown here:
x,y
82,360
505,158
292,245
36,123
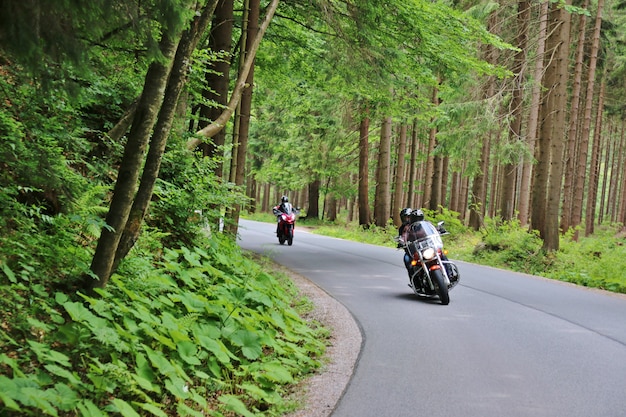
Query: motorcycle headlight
x,y
429,253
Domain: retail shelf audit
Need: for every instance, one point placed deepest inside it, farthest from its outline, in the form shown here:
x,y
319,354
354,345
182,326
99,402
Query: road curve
x,y
507,345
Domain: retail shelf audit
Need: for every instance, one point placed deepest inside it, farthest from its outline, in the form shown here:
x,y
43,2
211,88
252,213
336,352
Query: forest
x,y
135,134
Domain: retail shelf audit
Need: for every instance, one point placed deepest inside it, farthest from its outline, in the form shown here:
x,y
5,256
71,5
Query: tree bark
x,y
381,203
510,169
398,198
162,130
130,166
364,205
581,166
252,29
313,211
533,118
594,167
552,136
568,187
218,79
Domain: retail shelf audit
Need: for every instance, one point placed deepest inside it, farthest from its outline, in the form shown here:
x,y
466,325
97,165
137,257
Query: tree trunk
x,y
413,166
364,205
533,118
252,29
398,199
594,171
568,187
217,79
313,212
430,161
581,166
553,128
130,166
175,85
381,203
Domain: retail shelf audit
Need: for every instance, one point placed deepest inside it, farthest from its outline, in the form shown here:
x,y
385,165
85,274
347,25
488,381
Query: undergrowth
x,y
186,331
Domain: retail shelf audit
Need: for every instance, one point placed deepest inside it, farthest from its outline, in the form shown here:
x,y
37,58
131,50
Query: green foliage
x,y
509,245
206,331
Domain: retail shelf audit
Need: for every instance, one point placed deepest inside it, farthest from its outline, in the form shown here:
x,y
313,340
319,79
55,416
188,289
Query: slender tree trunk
x,y
568,187
252,29
533,118
436,182
130,166
594,172
581,167
510,169
162,130
218,79
430,158
398,199
364,205
381,203
413,166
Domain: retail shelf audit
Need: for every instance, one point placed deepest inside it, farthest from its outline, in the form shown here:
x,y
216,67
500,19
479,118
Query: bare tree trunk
x,y
531,133
398,199
313,211
381,203
568,187
594,172
413,166
581,166
218,79
430,161
132,160
552,136
510,169
252,29
364,205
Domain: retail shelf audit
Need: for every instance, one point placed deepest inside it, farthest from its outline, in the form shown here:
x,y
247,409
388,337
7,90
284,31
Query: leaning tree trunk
x,y
162,130
381,203
130,166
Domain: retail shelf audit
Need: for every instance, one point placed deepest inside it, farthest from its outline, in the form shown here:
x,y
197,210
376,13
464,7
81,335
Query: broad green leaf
x,y
235,405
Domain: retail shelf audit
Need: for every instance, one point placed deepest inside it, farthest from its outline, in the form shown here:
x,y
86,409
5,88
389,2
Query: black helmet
x,y
417,216
405,213
284,199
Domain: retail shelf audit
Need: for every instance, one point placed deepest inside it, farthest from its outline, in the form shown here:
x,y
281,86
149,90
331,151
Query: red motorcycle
x,y
286,223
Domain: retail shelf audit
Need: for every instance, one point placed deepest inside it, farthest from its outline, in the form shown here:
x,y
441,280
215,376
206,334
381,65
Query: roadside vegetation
x,y
596,261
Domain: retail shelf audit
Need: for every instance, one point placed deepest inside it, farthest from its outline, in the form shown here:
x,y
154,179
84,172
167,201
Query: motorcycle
x,y
431,274
286,223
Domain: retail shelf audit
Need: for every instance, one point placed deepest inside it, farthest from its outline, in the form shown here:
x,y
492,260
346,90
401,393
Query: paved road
x,y
507,345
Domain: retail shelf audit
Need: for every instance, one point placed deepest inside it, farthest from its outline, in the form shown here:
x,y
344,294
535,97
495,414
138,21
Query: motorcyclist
x,y
415,217
284,207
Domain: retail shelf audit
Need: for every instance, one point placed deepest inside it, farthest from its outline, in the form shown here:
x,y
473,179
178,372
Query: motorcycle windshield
x,y
422,230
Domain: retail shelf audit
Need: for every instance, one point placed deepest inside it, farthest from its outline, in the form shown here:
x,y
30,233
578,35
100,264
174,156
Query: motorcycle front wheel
x,y
441,287
290,236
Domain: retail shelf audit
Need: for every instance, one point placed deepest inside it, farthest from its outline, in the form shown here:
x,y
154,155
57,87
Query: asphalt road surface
x,y
507,345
